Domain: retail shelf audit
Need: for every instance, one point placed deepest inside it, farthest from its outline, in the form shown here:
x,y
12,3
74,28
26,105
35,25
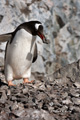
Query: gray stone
x,y
67,101
76,101
77,84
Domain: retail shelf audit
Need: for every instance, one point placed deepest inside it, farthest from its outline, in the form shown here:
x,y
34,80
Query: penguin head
x,y
36,28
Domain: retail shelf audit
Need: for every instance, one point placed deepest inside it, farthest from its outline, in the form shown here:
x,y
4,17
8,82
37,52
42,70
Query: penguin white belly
x,y
19,56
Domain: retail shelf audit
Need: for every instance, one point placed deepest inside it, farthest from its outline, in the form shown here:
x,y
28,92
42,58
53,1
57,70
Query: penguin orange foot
x,y
10,83
26,80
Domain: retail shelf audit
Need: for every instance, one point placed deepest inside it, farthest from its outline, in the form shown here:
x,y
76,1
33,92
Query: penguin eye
x,y
40,28
37,26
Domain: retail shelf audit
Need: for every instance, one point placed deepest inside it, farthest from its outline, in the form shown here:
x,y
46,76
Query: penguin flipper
x,y
5,37
35,55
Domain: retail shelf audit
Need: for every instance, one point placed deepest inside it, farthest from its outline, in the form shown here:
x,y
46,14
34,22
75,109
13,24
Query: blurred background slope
x,y
61,21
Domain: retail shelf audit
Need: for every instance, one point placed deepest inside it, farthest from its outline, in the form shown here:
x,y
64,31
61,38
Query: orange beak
x,y
43,38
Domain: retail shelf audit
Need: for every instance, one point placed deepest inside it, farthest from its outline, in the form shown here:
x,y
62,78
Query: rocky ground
x,y
52,97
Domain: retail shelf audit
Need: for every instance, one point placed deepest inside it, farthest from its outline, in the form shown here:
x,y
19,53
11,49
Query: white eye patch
x,y
37,26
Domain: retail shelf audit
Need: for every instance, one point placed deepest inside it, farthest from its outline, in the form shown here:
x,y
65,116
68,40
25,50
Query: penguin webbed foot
x,y
26,80
10,83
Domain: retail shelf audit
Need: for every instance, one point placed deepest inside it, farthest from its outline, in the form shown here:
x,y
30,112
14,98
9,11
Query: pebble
x,y
76,101
77,84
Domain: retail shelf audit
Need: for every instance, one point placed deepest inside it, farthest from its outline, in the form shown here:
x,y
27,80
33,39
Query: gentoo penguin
x,y
21,50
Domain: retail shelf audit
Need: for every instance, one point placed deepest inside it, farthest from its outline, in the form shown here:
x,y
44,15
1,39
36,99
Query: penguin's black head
x,y
36,28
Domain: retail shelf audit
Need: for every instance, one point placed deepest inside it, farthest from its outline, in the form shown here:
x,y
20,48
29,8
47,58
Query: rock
x,y
20,113
74,109
64,95
76,101
77,84
8,92
42,87
41,96
74,93
3,97
67,101
25,90
51,104
14,106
